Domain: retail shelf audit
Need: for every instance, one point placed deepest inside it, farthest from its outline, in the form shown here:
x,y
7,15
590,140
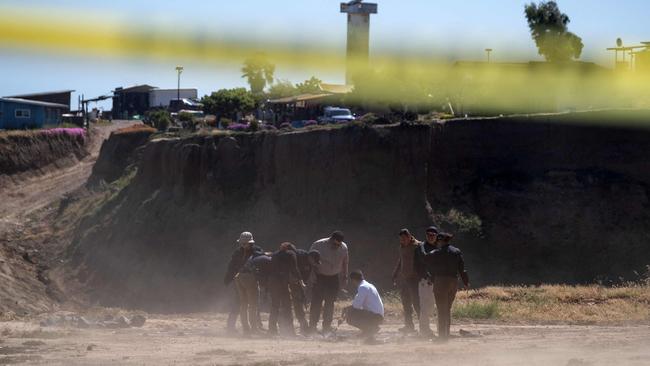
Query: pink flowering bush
x,y
77,132
238,127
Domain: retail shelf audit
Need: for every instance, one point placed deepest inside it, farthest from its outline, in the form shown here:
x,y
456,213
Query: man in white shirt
x,y
367,310
331,275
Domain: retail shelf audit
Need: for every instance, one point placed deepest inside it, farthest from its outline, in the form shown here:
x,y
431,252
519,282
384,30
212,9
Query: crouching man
x,y
367,310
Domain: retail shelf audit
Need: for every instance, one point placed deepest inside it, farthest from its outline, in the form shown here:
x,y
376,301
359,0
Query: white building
x,y
160,98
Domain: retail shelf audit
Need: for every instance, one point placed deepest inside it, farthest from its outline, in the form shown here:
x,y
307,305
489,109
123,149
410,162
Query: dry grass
x,y
135,129
549,304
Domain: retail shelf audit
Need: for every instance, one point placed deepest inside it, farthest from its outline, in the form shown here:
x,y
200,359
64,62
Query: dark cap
x,y
337,235
432,229
445,237
315,254
404,232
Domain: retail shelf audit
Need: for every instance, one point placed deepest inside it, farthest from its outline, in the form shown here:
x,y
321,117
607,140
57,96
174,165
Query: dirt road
x,y
18,202
200,340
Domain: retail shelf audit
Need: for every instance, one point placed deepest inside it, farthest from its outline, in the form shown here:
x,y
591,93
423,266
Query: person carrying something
x,y
331,274
425,284
367,310
406,278
245,249
307,261
253,275
446,264
284,272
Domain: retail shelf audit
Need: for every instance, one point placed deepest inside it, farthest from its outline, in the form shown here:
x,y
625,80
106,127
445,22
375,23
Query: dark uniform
x,y
237,261
445,265
298,295
284,272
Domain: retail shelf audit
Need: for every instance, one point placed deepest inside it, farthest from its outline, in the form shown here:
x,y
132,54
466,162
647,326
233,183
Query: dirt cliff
x,y
119,152
28,153
533,199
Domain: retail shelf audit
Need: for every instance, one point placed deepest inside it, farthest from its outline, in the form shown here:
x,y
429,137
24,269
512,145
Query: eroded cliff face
x,y
549,199
560,199
28,153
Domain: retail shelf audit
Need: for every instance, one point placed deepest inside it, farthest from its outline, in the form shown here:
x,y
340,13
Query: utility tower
x,y
358,48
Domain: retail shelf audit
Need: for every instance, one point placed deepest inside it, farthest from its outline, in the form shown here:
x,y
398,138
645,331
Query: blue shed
x,y
16,113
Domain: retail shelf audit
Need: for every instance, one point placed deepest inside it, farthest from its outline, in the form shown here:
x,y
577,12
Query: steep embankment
x,y
550,198
33,152
119,152
39,171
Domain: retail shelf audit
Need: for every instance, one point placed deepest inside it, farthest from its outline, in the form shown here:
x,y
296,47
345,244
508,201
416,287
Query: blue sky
x,y
456,29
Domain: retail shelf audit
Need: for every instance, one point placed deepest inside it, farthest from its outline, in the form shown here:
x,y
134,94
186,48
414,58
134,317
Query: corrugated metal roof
x,y
299,98
33,102
39,94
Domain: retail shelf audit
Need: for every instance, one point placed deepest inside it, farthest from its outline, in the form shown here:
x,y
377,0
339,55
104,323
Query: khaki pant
x,y
425,292
409,293
248,299
444,290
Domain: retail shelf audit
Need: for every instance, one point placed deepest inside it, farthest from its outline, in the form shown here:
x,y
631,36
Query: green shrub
x,y
254,125
225,122
476,310
160,119
186,117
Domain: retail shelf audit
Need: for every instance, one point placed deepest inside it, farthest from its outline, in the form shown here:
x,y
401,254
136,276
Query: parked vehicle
x,y
336,115
177,105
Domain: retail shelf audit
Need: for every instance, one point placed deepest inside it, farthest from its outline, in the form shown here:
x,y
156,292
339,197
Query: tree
x,y
259,73
311,86
548,27
281,89
160,119
228,102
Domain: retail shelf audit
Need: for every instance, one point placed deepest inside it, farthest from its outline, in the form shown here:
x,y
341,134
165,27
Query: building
x,y
136,100
301,107
132,101
16,113
57,97
358,45
161,98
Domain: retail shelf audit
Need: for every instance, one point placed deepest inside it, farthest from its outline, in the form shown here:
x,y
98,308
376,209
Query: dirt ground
x,y
201,340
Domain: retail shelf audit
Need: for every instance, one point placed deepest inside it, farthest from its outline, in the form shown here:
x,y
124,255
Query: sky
x,y
456,30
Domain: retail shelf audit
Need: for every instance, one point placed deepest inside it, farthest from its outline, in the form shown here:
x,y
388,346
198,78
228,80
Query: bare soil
x,y
200,339
27,196
31,237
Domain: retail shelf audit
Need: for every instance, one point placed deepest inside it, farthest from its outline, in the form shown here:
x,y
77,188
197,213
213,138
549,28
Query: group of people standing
x,y
426,272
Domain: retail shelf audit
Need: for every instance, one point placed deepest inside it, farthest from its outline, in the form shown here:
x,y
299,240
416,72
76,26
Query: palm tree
x,y
259,72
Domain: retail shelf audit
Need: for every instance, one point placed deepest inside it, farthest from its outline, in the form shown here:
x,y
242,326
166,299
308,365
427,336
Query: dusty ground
x,y
200,340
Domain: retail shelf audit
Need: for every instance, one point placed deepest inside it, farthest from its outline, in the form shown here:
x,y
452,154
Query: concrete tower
x,y
358,35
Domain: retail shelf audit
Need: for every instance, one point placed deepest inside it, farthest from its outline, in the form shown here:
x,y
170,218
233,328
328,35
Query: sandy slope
x,y
18,201
26,237
200,340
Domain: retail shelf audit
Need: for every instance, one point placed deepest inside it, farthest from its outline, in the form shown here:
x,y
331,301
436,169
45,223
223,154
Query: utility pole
x,y
179,69
488,51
